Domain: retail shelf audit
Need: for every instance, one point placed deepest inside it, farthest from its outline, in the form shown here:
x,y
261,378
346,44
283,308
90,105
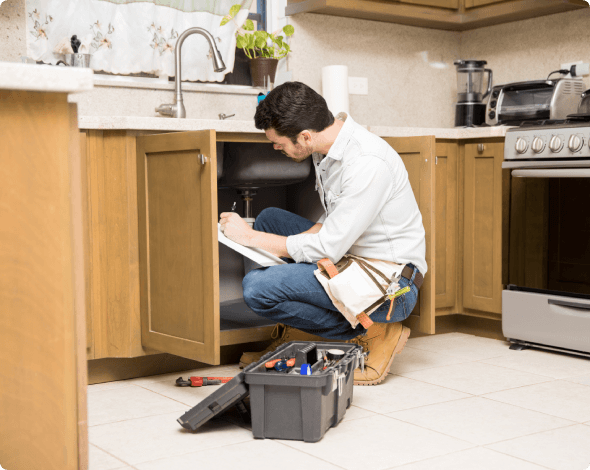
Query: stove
x,y
546,301
567,139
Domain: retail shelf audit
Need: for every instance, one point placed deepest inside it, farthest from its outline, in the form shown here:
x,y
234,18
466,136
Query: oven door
x,y
548,297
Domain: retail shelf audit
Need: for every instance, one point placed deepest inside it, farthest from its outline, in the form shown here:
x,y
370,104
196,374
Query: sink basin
x,y
255,165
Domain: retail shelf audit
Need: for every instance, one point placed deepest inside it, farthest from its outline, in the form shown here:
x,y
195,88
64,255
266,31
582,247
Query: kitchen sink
x,y
255,165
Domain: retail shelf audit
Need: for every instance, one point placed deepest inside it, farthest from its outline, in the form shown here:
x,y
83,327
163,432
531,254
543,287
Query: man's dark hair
x,y
291,108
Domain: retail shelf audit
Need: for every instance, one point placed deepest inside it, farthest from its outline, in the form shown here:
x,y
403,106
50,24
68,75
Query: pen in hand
x,y
233,208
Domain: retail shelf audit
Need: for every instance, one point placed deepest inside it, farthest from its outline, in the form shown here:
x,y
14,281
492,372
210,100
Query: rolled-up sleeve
x,y
366,185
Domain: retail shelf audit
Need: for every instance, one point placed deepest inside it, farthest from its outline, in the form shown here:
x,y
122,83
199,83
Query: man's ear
x,y
306,136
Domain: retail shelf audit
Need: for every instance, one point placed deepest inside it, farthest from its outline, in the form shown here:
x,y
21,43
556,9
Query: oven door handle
x,y
563,303
552,173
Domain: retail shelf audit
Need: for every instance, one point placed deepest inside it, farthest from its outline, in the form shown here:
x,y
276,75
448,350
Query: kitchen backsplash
x,y
412,80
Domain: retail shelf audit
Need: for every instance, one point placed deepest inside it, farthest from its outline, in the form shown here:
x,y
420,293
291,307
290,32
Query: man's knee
x,y
253,286
268,214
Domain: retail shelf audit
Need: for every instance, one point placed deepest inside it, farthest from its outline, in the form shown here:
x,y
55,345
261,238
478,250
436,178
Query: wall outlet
x,y
568,65
358,85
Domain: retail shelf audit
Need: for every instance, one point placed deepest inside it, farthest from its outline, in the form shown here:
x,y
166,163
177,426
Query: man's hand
x,y
236,229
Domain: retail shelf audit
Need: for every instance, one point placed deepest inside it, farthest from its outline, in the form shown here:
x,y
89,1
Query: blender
x,y
470,110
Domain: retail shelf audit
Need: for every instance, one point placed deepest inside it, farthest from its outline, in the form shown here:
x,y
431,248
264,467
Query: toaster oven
x,y
539,100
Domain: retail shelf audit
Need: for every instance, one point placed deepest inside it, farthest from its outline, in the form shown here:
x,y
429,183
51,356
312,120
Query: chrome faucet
x,y
177,109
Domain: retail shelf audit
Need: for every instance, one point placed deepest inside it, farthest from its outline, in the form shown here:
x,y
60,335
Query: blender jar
x,y
470,81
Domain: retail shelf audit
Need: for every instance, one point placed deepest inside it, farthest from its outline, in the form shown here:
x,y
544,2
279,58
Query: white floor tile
x,y
189,396
397,393
100,460
583,379
108,386
131,402
230,370
559,398
466,346
475,378
411,359
145,439
354,412
479,420
253,455
559,449
478,458
377,443
551,364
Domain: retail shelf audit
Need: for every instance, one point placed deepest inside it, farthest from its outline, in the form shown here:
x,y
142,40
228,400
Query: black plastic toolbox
x,y
287,405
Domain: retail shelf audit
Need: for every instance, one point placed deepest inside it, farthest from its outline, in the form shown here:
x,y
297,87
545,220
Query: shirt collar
x,y
338,147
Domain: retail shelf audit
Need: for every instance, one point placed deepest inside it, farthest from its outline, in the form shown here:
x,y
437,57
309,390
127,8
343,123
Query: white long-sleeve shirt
x,y
370,209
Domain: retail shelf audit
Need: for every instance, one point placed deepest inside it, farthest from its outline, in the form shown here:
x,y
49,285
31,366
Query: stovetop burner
x,y
571,119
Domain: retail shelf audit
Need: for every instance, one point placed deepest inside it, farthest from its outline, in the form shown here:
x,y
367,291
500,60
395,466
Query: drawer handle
x,y
481,148
202,159
563,303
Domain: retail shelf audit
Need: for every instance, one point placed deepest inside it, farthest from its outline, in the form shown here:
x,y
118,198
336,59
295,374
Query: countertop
x,y
31,77
229,125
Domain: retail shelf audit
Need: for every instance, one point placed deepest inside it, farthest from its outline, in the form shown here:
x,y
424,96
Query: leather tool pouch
x,y
355,287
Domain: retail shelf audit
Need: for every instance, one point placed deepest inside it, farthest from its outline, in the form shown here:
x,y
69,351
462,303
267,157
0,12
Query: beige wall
x,y
530,49
12,31
404,90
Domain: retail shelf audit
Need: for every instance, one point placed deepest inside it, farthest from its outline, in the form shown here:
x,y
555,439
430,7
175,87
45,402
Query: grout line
x,y
130,419
535,411
311,455
414,407
108,453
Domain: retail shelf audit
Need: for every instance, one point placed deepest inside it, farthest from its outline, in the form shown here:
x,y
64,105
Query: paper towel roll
x,y
335,88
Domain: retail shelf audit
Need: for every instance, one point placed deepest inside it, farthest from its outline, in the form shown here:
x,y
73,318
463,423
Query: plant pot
x,y
261,69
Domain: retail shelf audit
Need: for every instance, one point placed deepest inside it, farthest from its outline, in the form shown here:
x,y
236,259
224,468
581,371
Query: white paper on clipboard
x,y
258,255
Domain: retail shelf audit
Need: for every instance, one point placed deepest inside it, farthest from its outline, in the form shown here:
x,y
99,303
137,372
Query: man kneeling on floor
x,y
370,212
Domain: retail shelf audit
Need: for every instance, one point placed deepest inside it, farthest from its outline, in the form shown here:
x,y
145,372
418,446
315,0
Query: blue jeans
x,y
291,294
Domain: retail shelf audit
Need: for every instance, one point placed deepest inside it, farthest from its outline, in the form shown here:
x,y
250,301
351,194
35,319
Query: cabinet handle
x,y
202,159
481,148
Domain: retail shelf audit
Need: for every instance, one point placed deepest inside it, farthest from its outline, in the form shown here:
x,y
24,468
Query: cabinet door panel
x,y
480,3
482,263
446,224
179,261
418,154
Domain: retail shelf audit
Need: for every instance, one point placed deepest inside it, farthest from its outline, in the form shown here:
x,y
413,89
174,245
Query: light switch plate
x,y
358,85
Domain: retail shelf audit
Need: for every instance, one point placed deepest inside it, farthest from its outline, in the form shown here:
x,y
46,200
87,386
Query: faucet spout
x,y
177,109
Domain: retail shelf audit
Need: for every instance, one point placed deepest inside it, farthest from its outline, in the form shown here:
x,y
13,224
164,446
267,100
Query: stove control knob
x,y
538,145
555,144
521,145
575,143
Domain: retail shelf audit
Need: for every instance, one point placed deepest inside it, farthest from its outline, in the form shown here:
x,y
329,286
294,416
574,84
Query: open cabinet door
x,y
418,155
179,259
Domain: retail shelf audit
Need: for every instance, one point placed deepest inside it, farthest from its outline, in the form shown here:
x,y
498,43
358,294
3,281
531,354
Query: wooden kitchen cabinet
x,y
453,15
418,155
151,242
482,226
43,412
446,224
451,4
179,259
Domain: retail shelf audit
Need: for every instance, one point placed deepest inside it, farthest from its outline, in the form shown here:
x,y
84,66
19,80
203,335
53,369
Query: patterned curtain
x,y
134,36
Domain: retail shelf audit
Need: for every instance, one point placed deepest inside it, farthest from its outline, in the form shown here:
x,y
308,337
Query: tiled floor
x,y
452,401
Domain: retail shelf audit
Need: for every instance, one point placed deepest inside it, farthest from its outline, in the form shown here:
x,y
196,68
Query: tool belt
x,y
358,288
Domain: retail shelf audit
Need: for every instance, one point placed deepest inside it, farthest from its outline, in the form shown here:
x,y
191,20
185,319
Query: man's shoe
x,y
281,334
383,341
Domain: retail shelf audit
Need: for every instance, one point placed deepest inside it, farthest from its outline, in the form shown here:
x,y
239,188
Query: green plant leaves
x,y
256,43
248,25
289,30
233,11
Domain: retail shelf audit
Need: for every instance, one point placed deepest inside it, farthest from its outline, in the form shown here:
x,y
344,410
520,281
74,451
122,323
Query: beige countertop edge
x,y
172,124
29,77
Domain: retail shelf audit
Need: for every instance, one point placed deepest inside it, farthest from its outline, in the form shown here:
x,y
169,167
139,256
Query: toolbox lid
x,y
215,404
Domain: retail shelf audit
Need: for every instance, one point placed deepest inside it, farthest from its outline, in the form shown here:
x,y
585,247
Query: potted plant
x,y
263,49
